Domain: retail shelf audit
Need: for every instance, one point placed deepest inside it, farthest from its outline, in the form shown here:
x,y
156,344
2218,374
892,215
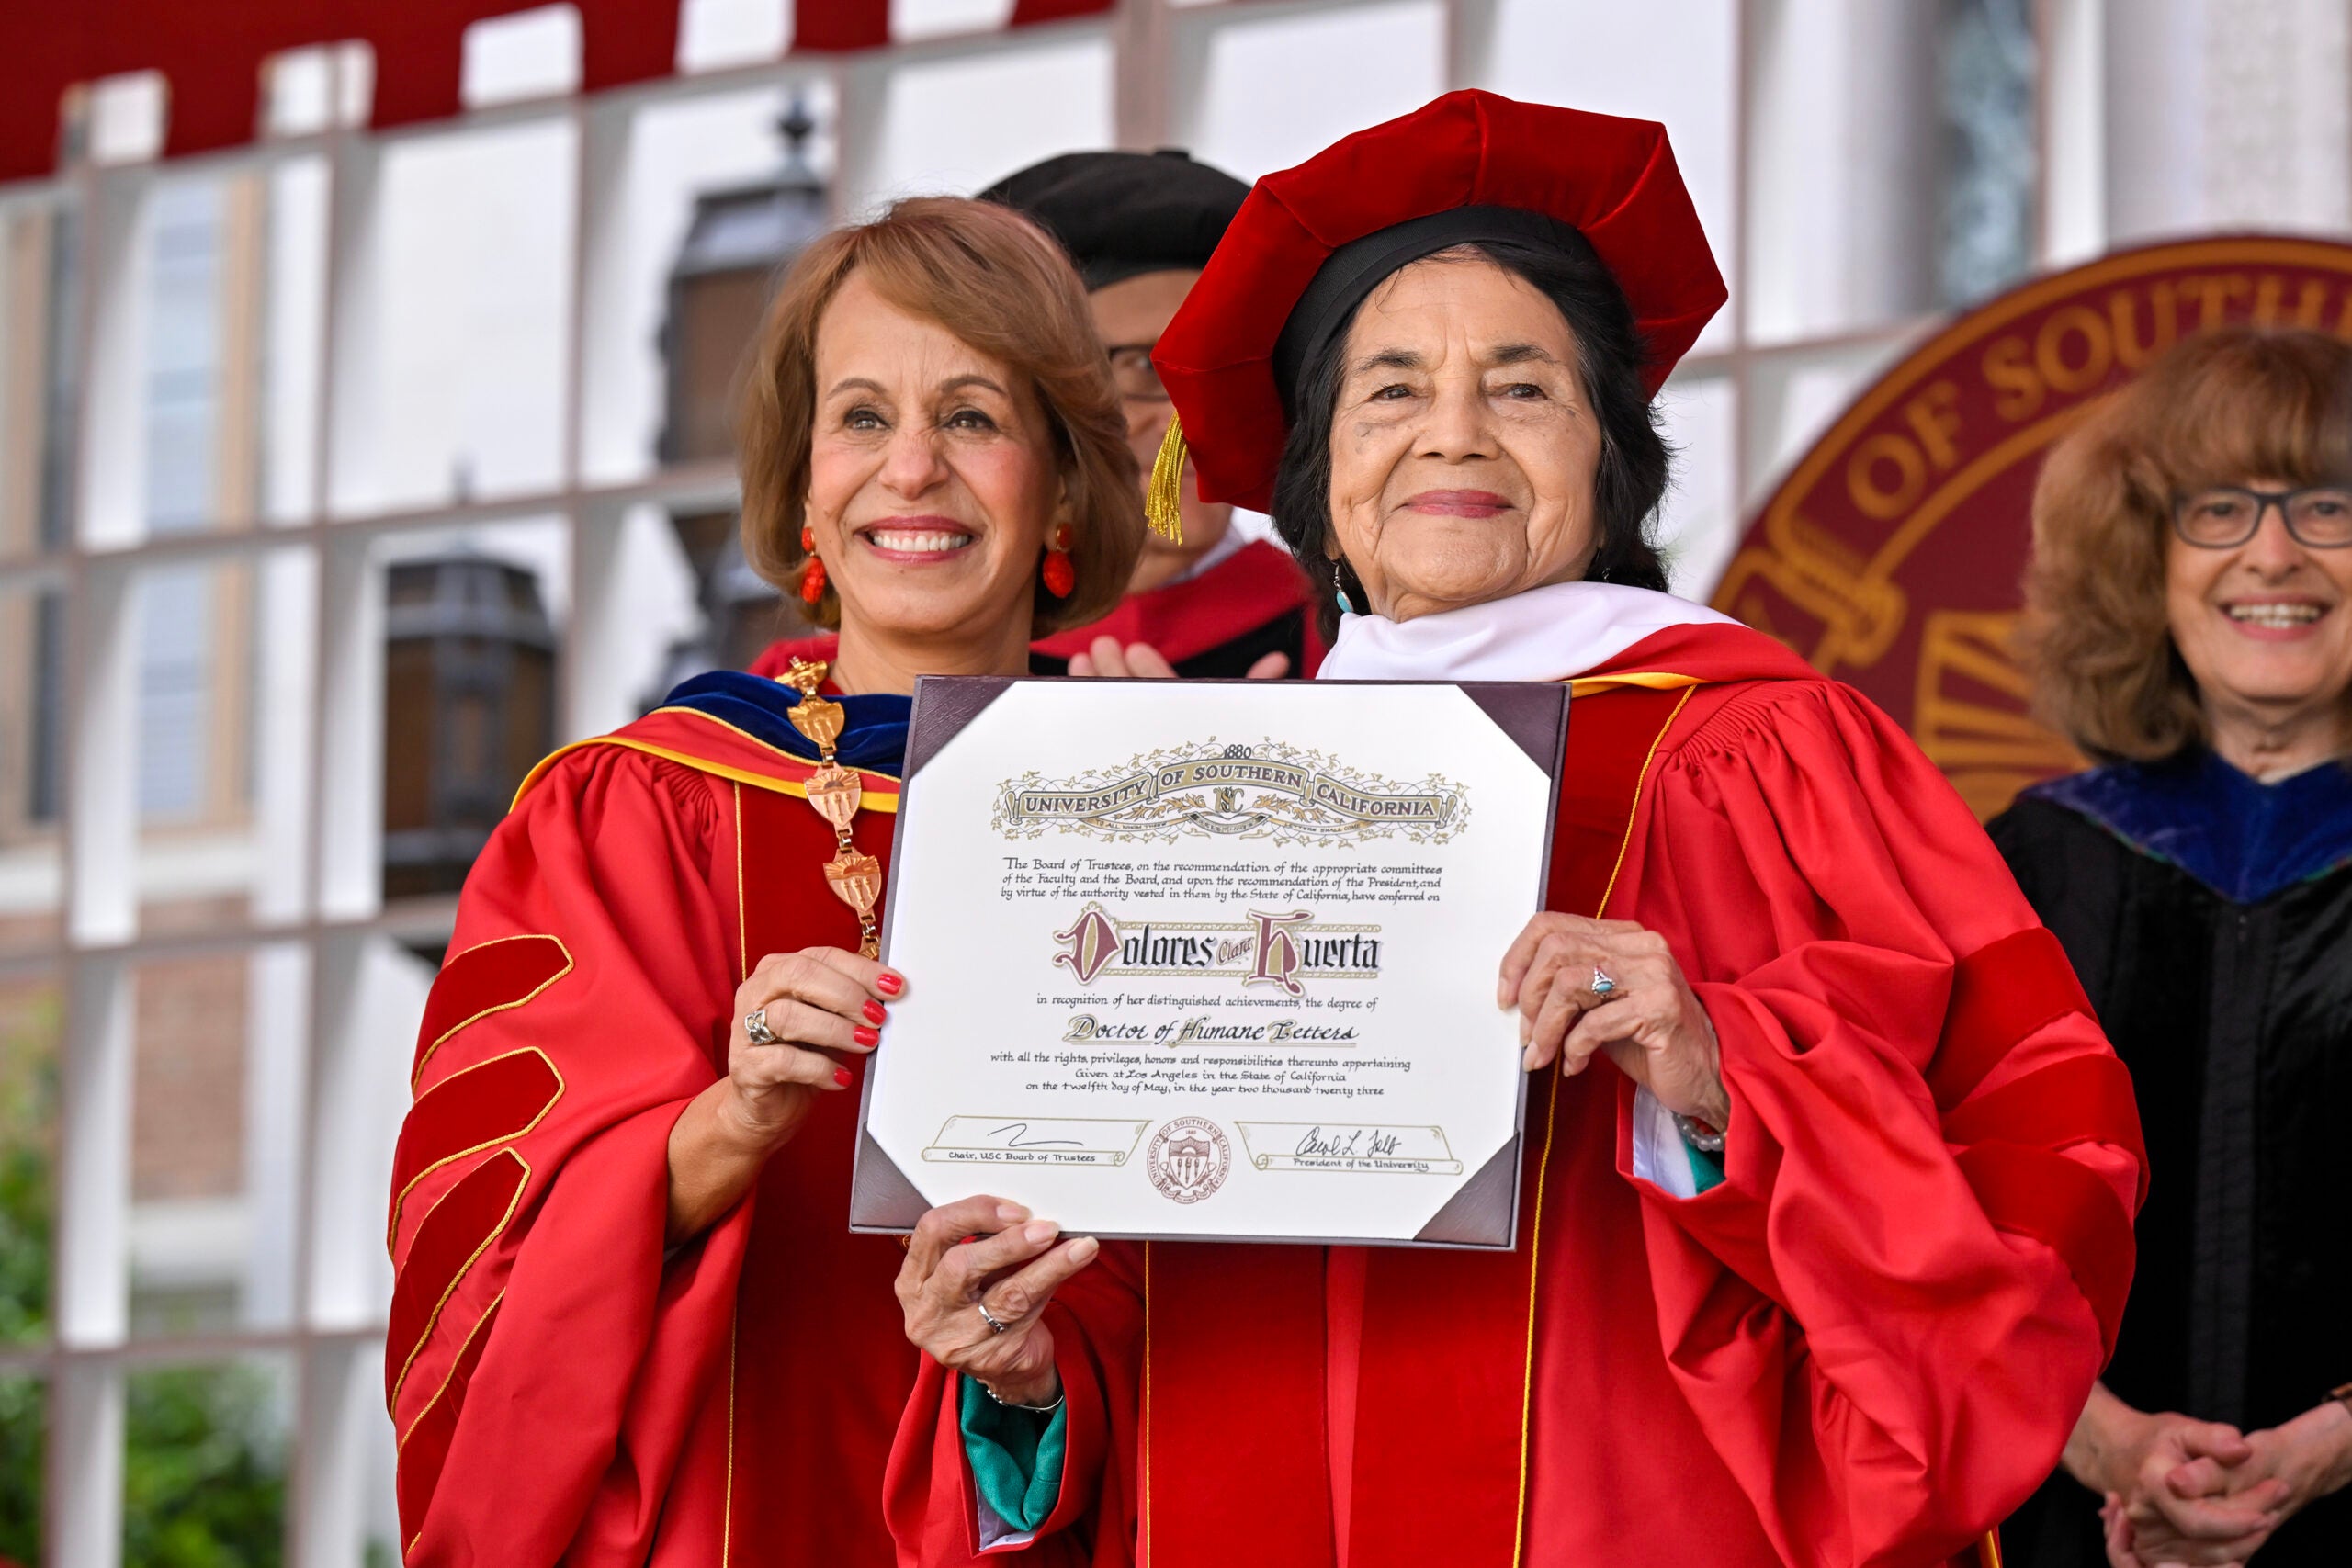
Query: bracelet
x,y
1698,1135
1033,1409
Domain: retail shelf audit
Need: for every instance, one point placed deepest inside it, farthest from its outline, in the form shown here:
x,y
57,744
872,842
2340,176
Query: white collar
x,y
1545,634
1229,544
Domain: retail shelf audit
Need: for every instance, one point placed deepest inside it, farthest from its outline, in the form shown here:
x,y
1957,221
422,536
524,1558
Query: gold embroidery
x,y
463,1345
873,800
742,915
432,1319
727,1508
400,1199
1634,812
442,1038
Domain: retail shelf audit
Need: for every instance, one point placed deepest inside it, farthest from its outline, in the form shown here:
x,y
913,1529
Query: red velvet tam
x,y
1312,242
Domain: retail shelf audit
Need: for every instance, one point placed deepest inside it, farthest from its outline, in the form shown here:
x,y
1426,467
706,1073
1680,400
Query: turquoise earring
x,y
1340,590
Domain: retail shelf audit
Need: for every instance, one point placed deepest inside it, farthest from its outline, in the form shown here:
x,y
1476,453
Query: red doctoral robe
x,y
1254,603
561,1389
1865,1345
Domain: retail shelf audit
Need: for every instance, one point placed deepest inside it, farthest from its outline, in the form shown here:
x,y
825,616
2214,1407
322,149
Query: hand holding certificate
x,y
1212,960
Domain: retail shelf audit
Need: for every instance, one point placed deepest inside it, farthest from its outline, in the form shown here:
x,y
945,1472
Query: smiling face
x,y
932,480
2266,629
1463,447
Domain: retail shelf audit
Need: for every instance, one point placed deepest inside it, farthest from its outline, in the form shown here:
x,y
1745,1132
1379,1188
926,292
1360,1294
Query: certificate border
x,y
1483,1213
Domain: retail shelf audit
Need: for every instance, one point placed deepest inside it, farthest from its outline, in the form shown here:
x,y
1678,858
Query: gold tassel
x,y
1163,499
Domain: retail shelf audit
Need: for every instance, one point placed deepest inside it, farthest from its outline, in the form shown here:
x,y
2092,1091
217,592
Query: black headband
x,y
1350,272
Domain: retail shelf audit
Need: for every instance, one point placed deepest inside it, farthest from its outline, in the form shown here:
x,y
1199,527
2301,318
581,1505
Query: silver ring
x,y
1602,986
990,1318
755,1026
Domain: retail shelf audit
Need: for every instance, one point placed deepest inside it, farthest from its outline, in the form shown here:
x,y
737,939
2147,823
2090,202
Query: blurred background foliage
x,y
204,1463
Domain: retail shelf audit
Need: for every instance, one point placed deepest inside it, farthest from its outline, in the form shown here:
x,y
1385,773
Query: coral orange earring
x,y
1059,575
812,576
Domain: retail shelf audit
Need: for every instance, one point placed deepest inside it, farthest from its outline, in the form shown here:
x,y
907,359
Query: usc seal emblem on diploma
x,y
1188,1159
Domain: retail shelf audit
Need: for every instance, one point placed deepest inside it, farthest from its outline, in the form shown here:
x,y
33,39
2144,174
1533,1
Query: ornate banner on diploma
x,y
1212,959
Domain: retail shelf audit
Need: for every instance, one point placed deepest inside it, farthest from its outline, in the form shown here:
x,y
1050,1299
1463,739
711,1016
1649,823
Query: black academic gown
x,y
2211,921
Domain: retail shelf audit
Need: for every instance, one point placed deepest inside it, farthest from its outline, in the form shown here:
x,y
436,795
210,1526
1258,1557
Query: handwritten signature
x,y
1015,1136
1375,1143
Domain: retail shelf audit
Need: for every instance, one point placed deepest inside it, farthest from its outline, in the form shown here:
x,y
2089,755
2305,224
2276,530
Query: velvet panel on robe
x,y
1863,1347
562,1390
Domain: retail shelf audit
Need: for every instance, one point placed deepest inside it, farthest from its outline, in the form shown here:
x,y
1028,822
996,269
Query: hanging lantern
x,y
468,707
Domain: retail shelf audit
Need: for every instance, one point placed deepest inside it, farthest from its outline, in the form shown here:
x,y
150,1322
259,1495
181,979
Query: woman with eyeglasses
x,y
2189,626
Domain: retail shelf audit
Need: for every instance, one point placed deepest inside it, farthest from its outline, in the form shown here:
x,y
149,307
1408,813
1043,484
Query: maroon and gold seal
x,y
1188,1159
1892,554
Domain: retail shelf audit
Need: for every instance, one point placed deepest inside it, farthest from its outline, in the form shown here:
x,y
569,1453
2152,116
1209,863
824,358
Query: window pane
x,y
668,285
204,1465
31,1022
216,1101
451,385
1257,97
217,267
1672,61
1842,158
32,764
1699,524
36,290
957,125
225,654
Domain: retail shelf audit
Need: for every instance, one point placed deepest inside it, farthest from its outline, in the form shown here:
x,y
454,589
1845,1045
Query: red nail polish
x,y
889,984
874,1014
840,1076
869,1038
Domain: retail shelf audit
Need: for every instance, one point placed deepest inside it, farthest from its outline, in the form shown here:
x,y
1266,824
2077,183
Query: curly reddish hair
x,y
2218,409
1000,285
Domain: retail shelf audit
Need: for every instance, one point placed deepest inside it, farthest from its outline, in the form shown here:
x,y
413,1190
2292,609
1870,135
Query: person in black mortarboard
x,y
1212,602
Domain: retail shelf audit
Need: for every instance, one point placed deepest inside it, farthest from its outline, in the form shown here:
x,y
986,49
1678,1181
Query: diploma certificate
x,y
1212,959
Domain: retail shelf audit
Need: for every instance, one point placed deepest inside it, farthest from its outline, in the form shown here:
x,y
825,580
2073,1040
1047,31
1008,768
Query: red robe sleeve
x,y
1889,1315
547,1363
928,1496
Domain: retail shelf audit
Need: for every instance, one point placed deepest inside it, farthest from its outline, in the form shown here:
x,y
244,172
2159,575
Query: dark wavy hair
x,y
1627,485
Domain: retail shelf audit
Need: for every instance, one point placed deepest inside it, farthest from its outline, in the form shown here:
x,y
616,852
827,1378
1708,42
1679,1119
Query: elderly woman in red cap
x,y
1826,1224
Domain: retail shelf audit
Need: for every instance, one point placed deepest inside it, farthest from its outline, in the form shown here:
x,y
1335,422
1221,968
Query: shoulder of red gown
x,y
1251,587
1708,653
707,742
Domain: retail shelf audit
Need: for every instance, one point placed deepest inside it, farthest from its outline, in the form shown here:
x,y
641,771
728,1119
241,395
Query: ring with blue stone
x,y
1602,986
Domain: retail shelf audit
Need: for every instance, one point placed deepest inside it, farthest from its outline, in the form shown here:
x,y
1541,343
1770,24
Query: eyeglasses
x,y
1134,375
2226,516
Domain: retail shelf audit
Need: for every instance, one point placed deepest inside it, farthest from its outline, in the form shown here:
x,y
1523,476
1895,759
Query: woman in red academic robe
x,y
631,1325
1206,600
1827,1215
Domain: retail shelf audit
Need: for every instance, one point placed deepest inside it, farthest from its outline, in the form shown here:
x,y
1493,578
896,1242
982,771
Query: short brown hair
x,y
2216,410
997,282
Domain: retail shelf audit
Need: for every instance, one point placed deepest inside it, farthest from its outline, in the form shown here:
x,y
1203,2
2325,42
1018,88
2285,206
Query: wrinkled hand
x,y
1651,1025
985,1250
822,1004
2176,1490
1140,661
2282,1470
